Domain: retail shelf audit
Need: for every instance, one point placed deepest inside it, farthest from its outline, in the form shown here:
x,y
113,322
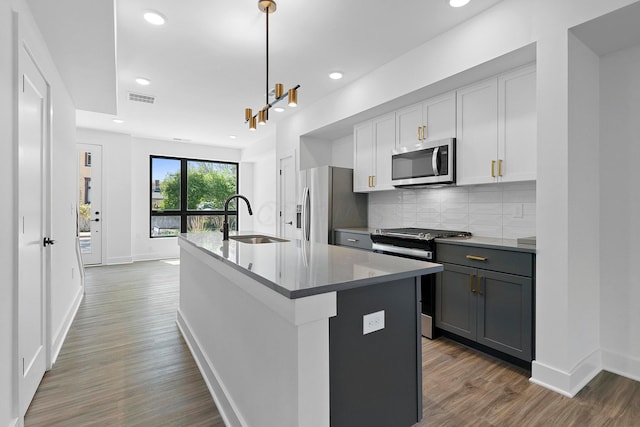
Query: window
x,y
187,195
87,190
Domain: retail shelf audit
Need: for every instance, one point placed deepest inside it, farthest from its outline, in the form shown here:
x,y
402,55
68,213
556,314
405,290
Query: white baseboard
x,y
120,260
225,405
155,256
61,335
621,364
567,383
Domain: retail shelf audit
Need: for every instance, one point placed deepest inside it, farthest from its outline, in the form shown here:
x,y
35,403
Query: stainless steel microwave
x,y
426,163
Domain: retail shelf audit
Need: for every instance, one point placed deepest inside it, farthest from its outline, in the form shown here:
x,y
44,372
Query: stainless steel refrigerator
x,y
327,202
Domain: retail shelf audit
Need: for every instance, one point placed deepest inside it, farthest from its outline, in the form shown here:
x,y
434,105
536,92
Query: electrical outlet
x,y
518,210
372,322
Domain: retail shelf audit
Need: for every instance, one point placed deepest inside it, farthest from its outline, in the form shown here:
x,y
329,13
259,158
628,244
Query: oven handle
x,y
416,253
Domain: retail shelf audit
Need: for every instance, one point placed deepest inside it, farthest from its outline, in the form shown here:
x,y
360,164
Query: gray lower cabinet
x,y
492,308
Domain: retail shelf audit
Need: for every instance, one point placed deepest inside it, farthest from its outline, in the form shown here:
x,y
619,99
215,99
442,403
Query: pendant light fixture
x,y
268,7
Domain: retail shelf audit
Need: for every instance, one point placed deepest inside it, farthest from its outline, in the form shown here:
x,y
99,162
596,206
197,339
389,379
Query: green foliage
x,y
85,211
208,186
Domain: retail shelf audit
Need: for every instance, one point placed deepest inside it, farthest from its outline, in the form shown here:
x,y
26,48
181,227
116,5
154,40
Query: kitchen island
x,y
280,335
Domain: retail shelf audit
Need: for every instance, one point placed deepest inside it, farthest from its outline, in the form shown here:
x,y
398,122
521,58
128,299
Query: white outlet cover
x,y
372,322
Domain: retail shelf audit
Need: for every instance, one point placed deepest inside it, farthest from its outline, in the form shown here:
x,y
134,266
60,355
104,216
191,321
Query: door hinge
x,y
280,213
280,171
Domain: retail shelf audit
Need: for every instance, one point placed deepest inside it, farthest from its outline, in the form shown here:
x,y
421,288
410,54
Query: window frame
x,y
184,213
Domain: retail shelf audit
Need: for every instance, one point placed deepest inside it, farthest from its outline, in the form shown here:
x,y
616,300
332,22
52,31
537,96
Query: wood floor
x,y
463,387
124,363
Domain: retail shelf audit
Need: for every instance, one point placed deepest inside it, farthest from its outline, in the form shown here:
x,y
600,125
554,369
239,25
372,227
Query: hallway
x,y
124,362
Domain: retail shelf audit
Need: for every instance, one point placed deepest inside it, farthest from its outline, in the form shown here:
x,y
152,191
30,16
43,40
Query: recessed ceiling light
x,y
118,121
143,81
335,75
154,18
458,3
278,109
232,136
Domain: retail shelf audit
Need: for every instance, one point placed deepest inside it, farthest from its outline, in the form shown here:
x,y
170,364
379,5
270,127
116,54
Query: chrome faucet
x,y
225,224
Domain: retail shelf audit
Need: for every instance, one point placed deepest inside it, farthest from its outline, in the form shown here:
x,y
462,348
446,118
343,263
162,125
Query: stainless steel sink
x,y
256,238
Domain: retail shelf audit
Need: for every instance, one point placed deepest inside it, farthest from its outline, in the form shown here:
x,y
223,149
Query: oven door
x,y
432,163
427,283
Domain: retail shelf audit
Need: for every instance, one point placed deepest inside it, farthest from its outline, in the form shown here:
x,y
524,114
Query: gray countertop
x,y
297,268
489,242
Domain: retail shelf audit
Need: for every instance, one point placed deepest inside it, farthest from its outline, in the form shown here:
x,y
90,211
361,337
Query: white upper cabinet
x,y
430,120
362,156
517,125
496,129
373,142
477,134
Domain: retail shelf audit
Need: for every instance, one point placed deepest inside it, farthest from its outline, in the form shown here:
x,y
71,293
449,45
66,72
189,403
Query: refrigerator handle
x,y
306,214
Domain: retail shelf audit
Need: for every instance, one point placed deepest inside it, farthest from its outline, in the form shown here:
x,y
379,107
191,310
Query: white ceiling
x,y
208,62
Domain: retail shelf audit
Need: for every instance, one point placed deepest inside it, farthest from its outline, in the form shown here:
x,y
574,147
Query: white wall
x,y
510,25
620,211
8,245
65,290
484,210
144,247
261,187
342,152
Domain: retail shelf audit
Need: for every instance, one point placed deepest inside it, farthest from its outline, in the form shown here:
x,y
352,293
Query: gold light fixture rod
x,y
267,5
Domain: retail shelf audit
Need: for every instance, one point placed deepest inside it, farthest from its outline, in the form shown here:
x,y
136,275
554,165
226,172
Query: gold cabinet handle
x,y
424,132
476,258
373,181
493,168
499,167
479,285
419,134
473,291
370,181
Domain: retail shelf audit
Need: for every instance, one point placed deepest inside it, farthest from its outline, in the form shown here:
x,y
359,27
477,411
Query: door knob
x,y
47,241
289,223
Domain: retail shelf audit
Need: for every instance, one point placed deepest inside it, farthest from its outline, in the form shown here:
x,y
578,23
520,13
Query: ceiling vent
x,y
138,97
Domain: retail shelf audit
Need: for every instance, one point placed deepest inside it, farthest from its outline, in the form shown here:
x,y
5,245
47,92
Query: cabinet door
x,y
477,132
439,117
517,125
456,300
505,304
408,120
362,156
384,135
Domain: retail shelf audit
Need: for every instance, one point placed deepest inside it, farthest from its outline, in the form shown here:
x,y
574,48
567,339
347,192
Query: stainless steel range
x,y
417,243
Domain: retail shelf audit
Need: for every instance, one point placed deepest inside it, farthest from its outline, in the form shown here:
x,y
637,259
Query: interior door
x,y
33,220
288,198
90,218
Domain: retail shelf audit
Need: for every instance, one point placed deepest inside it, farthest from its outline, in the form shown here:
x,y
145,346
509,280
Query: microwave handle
x,y
434,161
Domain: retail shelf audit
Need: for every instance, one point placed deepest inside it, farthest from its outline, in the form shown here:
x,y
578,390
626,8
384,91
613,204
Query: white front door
x,y
288,199
32,227
90,217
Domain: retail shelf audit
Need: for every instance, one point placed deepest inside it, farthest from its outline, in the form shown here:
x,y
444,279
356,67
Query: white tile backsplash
x,y
490,210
